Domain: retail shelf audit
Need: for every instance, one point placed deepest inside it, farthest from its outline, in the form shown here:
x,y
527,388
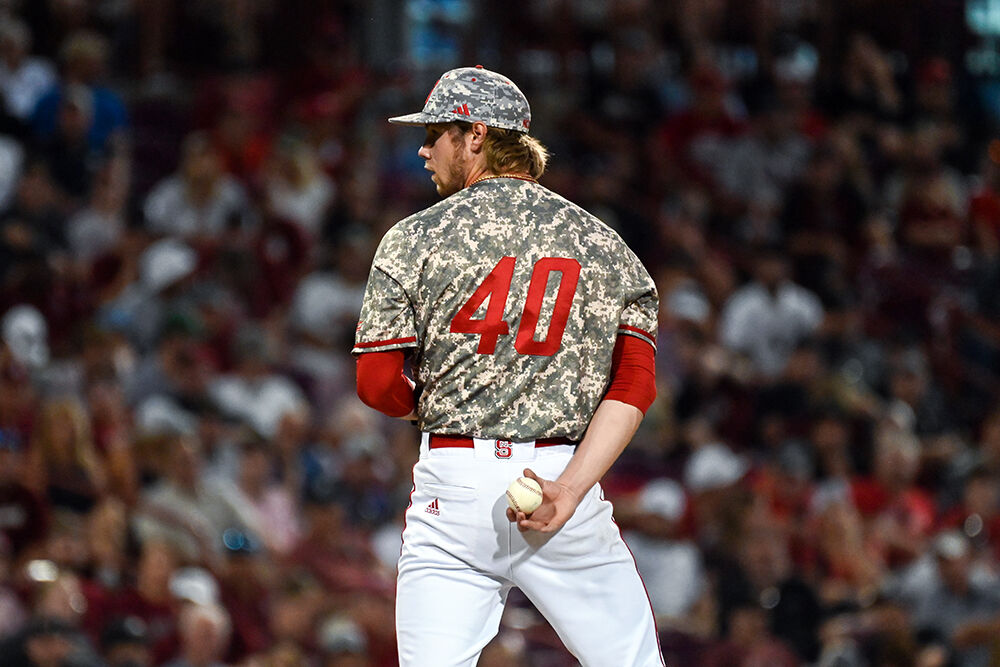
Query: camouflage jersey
x,y
511,298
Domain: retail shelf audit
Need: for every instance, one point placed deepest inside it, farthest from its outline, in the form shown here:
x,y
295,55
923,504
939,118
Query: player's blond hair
x,y
510,151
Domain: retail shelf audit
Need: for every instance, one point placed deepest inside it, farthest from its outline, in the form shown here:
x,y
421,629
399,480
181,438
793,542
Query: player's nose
x,y
425,152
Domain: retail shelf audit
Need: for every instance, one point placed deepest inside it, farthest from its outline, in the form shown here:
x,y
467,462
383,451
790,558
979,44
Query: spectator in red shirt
x,y
850,569
334,552
691,143
785,484
749,642
931,207
24,514
108,568
245,593
149,598
984,206
112,433
899,516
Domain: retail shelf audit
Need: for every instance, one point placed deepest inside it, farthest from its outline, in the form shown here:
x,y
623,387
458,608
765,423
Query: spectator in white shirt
x,y
204,636
297,189
274,503
761,165
766,318
200,202
23,78
100,226
189,509
254,394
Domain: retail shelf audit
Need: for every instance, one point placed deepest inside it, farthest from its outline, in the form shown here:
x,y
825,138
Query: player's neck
x,y
486,174
479,171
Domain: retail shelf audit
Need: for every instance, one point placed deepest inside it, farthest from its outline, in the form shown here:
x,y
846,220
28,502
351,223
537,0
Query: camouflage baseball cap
x,y
473,94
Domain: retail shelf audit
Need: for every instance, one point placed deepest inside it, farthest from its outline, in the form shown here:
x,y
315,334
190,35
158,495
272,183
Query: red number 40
x,y
496,286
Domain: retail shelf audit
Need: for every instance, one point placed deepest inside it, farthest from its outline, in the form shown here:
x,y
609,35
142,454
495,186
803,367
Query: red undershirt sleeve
x,y
633,373
383,385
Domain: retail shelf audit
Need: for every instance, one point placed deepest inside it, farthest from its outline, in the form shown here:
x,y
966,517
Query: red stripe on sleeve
x,y
633,373
382,384
391,341
645,334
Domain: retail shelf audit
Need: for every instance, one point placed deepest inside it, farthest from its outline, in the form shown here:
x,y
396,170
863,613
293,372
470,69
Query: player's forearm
x,y
383,385
611,429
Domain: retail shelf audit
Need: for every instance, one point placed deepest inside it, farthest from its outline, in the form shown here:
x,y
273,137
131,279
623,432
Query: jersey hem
x,y
453,431
384,345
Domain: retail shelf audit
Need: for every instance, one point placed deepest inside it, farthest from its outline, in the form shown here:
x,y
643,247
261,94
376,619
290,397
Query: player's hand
x,y
558,505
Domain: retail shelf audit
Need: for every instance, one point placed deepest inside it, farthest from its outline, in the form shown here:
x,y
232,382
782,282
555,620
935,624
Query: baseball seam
x,y
520,482
513,501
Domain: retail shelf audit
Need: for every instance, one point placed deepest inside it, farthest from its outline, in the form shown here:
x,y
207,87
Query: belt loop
x,y
485,448
425,444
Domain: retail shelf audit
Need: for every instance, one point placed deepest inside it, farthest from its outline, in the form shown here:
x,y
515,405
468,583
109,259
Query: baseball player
x,y
529,326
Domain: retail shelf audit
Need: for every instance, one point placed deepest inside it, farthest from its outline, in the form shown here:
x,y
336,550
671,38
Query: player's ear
x,y
478,135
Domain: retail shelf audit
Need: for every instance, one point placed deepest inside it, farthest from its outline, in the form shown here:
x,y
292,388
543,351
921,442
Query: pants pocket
x,y
448,491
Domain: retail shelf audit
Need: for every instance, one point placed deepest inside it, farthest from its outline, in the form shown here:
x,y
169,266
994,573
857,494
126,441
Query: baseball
x,y
524,495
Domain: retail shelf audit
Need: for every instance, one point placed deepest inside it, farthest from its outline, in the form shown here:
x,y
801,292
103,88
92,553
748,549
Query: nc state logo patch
x,y
503,449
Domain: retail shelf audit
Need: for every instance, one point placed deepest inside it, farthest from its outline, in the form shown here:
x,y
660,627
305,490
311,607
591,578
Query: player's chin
x,y
445,190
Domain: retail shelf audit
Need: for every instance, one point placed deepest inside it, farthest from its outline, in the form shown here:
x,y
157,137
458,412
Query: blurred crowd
x,y
190,197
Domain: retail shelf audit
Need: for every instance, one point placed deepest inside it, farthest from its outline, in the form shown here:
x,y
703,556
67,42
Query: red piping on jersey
x,y
633,373
391,341
645,334
382,384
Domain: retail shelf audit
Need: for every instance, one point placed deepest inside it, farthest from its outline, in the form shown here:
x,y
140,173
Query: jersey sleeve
x,y
387,321
642,304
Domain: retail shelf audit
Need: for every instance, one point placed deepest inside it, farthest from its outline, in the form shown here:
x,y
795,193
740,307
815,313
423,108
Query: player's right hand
x,y
558,505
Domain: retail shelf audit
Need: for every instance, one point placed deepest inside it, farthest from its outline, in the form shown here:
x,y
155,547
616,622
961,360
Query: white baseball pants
x,y
461,556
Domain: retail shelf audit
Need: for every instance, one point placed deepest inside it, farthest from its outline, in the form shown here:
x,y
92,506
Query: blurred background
x,y
190,196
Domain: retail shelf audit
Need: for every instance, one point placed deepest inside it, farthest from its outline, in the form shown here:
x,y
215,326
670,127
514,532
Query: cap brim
x,y
419,118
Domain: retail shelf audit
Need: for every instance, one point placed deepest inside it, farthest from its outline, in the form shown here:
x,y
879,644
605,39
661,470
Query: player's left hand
x,y
558,505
